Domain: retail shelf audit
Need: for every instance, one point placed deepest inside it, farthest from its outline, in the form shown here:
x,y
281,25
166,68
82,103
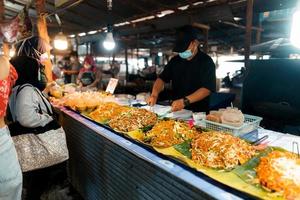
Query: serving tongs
x,y
260,140
258,145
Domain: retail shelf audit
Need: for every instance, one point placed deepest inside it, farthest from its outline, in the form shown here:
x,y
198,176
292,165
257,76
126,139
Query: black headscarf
x,y
27,63
30,71
32,47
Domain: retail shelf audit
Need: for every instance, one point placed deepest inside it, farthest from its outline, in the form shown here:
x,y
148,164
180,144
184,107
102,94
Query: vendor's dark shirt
x,y
67,77
188,76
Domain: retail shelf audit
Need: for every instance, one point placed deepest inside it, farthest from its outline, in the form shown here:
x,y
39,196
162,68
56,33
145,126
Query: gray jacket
x,y
25,107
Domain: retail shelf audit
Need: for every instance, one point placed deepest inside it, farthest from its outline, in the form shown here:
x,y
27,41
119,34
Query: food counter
x,y
105,165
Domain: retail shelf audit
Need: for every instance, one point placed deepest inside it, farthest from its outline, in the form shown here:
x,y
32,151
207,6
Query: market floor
x,y
60,192
50,183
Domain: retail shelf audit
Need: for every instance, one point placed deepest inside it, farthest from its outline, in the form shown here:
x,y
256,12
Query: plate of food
x,y
107,111
220,150
132,120
279,172
167,133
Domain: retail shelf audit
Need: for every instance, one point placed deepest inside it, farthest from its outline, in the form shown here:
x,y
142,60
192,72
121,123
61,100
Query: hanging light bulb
x,y
109,42
295,32
60,41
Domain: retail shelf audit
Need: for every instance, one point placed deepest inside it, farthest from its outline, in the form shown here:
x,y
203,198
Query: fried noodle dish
x,y
220,150
167,133
107,111
280,172
132,120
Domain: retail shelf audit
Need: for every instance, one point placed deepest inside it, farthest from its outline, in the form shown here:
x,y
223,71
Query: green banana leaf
x,y
247,171
147,128
184,148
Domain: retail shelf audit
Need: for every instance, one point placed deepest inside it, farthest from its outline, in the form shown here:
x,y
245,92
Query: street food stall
x,y
122,151
244,145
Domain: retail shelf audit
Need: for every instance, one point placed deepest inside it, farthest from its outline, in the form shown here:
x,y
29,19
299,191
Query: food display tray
x,y
251,123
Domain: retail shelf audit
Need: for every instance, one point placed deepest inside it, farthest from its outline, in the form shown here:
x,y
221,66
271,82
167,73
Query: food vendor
x,y
192,73
72,68
89,75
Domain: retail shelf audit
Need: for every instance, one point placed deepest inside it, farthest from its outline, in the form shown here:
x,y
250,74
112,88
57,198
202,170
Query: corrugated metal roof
x,y
90,15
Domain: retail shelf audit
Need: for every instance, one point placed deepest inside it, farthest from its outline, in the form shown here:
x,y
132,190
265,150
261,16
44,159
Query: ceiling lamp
x,y
109,42
60,40
295,32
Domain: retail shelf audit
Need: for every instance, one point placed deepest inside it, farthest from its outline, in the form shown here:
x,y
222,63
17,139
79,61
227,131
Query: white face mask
x,y
44,57
87,66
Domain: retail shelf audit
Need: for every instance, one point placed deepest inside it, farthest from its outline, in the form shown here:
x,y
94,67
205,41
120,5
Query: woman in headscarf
x,y
89,75
30,110
28,63
31,54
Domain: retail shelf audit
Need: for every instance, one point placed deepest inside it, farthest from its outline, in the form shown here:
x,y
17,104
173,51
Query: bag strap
x,y
21,87
44,99
9,114
39,93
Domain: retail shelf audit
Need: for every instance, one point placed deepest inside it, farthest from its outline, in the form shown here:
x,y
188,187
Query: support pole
x,y
205,47
258,39
258,35
43,33
137,57
249,17
126,63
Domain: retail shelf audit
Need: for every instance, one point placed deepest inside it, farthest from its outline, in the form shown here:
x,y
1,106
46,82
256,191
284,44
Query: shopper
x,y
57,71
39,139
72,69
66,69
10,172
89,76
192,73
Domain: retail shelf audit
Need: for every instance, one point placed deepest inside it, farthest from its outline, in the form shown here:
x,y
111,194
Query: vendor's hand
x,y
49,86
66,72
152,100
79,84
83,89
177,105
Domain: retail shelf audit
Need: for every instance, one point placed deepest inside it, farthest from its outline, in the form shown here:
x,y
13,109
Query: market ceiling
x,y
151,23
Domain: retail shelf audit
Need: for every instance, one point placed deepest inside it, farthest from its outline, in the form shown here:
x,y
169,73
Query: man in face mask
x,y
192,73
73,69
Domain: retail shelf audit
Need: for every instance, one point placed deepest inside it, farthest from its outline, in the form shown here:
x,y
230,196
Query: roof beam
x,y
76,2
175,21
93,6
136,6
242,27
201,26
51,8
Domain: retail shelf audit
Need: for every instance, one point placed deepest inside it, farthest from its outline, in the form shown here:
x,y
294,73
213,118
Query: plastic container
x,y
197,116
251,123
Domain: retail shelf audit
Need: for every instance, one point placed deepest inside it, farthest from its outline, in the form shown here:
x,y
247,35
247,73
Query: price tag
x,y
113,82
